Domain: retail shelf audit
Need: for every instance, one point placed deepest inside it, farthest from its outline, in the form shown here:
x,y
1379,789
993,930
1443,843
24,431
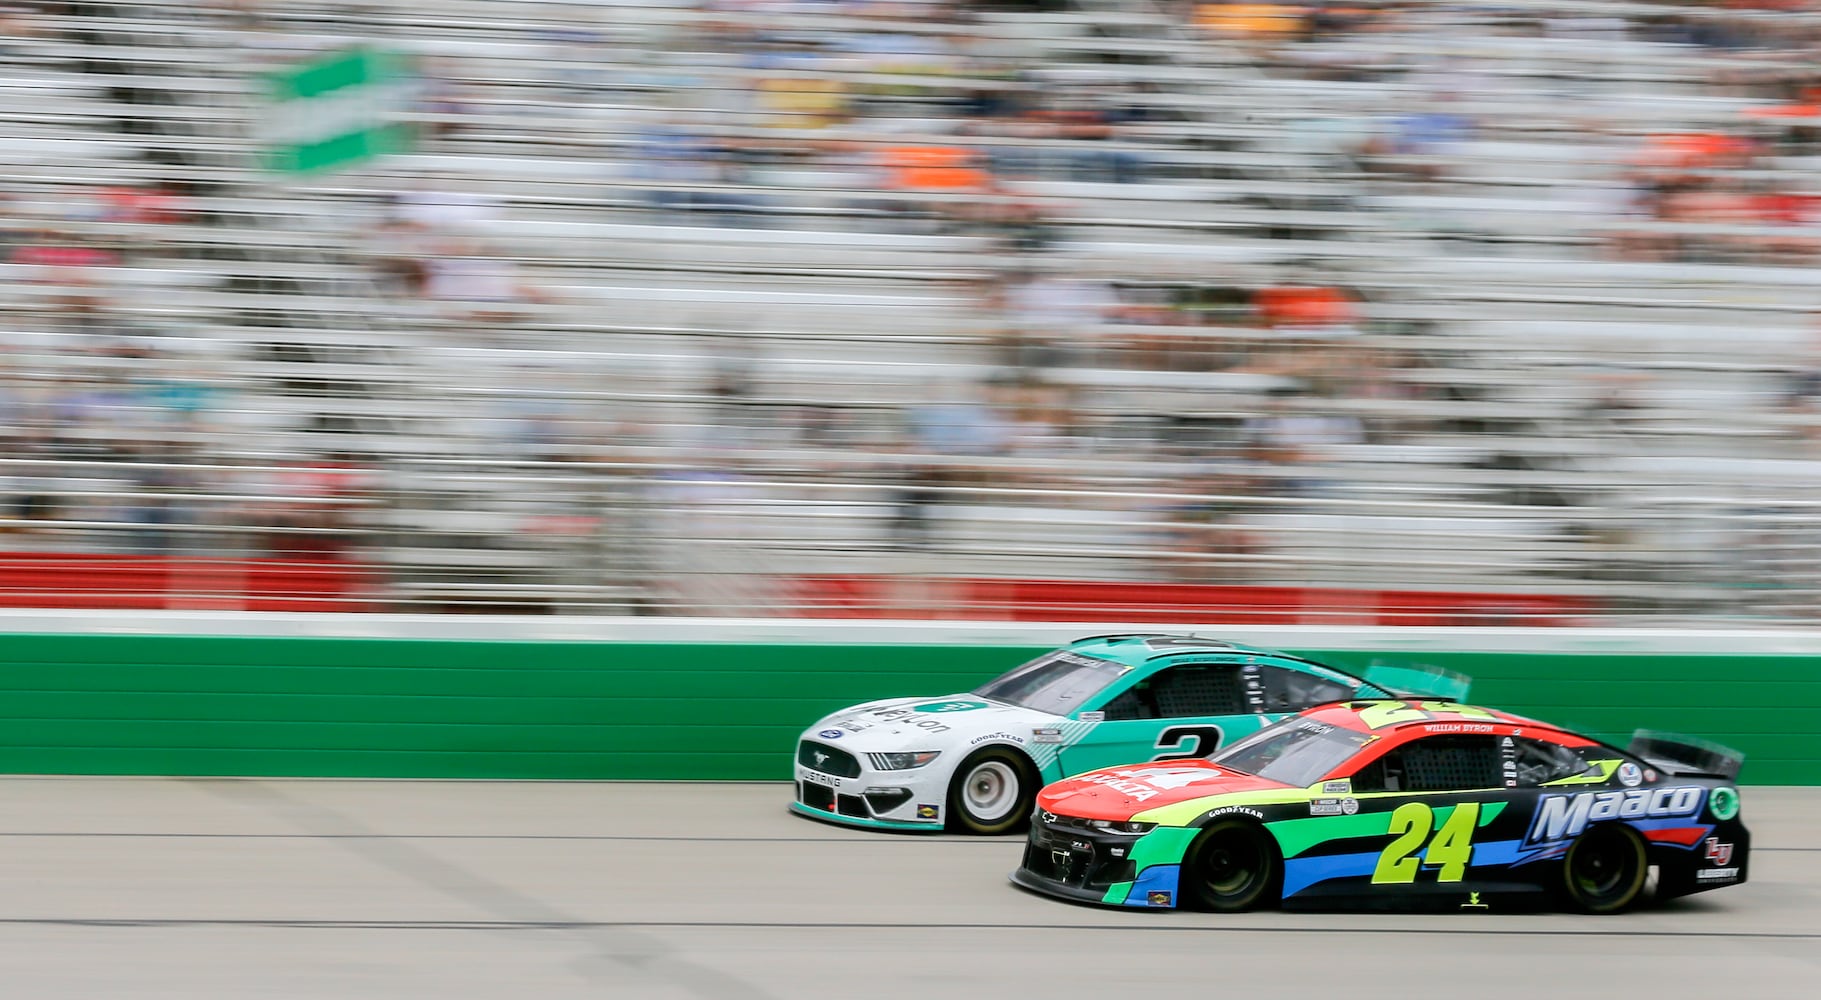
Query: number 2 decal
x,y
1185,742
1450,850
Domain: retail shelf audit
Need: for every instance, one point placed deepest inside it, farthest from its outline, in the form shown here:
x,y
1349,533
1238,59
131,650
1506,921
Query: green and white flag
x,y
338,110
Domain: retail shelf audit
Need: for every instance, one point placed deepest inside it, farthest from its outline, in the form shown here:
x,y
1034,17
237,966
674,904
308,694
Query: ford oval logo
x,y
830,734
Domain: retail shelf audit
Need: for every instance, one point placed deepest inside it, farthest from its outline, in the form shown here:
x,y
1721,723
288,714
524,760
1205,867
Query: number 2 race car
x,y
973,762
1405,801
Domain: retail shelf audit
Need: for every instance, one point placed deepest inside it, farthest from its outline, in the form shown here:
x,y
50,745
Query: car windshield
x,y
1057,683
1295,751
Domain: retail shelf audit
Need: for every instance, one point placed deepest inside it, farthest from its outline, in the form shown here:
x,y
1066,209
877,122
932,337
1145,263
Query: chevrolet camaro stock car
x,y
973,762
1396,801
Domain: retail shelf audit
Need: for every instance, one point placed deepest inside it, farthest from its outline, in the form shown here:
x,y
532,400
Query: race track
x,y
202,889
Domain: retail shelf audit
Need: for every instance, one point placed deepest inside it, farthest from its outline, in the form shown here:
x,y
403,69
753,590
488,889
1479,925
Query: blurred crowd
x,y
948,120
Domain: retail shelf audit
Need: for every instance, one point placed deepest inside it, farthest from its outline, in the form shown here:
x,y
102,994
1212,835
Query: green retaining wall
x,y
339,707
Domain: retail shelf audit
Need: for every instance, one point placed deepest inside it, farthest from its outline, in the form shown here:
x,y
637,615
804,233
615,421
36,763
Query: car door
x,y
1182,709
1434,798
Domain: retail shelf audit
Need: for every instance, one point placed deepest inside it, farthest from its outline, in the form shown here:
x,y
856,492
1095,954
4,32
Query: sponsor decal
x,y
1564,817
905,717
831,734
926,810
1716,874
1007,737
1046,736
938,707
1093,716
818,778
1630,775
1236,811
1723,803
1080,845
1718,853
1339,786
1650,774
1147,782
1333,807
1458,727
1157,898
1473,902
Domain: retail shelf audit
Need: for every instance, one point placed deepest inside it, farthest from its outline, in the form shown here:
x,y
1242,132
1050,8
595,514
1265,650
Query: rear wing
x,y
1686,755
1419,680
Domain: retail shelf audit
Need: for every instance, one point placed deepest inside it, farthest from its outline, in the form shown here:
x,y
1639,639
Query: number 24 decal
x,y
1451,849
1386,713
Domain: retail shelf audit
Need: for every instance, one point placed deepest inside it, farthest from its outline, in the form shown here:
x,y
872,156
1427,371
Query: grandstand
x,y
1389,312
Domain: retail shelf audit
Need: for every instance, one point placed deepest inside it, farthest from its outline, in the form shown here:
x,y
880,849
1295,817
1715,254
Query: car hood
x,y
1120,793
930,723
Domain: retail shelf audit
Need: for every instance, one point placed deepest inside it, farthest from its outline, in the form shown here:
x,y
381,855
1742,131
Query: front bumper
x,y
1064,859
848,789
870,824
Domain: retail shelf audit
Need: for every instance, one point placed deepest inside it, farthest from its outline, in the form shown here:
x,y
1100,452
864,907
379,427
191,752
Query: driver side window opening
x,y
1441,763
1184,691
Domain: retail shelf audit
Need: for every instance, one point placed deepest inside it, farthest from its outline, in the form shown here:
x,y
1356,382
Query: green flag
x,y
337,110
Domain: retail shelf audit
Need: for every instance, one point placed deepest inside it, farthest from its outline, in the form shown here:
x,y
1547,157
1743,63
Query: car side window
x,y
1184,691
1539,762
1440,763
1289,690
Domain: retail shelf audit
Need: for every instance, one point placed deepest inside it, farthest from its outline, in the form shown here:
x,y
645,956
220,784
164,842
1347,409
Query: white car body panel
x,y
954,726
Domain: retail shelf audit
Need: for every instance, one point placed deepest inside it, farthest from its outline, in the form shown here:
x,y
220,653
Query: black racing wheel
x,y
1605,869
1234,865
993,792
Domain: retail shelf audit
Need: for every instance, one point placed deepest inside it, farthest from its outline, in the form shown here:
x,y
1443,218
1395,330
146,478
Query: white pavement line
x,y
610,950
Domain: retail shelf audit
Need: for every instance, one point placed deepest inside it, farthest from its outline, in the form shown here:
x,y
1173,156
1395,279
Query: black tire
x,y
992,792
1605,870
1233,866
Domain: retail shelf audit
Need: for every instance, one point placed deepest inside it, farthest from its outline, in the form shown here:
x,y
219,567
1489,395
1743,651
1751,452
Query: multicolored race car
x,y
973,762
1391,800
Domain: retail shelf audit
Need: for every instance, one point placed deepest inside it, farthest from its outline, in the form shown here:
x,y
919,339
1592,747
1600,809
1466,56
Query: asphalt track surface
x,y
195,889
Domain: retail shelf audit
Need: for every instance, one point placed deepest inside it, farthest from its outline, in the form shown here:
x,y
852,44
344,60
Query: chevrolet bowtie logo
x,y
1047,817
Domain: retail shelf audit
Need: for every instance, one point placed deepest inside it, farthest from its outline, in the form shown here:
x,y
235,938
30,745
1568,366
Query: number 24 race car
x,y
1391,800
973,762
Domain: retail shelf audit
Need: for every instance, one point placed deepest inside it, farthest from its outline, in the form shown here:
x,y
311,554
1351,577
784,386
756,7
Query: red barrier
x,y
1091,600
75,580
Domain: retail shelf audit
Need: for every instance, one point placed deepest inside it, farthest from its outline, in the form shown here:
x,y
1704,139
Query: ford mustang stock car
x,y
973,762
1397,802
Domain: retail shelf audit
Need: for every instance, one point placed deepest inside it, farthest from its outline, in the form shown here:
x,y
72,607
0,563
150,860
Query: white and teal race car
x,y
973,762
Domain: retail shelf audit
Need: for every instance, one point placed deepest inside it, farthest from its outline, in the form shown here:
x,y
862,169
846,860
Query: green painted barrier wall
x,y
335,707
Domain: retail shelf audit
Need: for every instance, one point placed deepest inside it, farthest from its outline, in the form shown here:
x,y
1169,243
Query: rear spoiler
x,y
1419,680
1686,755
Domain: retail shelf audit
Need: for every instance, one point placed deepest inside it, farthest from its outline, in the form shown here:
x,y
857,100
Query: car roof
x,y
1141,647
1137,649
1351,715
